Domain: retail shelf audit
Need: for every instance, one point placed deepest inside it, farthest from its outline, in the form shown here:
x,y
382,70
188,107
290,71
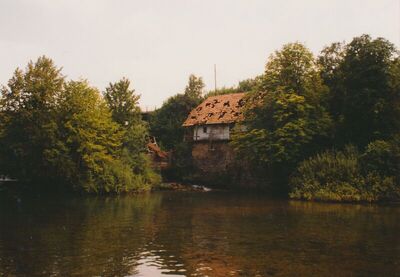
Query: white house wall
x,y
213,132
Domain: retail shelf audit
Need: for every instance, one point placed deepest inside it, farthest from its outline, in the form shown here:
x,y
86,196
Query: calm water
x,y
195,234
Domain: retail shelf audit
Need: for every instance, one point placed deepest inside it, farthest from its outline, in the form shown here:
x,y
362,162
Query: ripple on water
x,y
196,234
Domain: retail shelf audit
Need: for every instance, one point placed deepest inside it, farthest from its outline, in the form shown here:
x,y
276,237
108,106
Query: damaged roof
x,y
153,147
226,108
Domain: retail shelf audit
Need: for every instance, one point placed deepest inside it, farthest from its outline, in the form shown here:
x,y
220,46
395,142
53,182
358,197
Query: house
x,y
209,127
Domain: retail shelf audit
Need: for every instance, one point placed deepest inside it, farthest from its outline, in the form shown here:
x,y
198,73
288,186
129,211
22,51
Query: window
x,y
204,129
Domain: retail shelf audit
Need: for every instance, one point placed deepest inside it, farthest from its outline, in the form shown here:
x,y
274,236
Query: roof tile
x,y
226,108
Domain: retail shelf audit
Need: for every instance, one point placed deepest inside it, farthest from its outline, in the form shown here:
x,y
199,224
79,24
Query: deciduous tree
x,y
29,106
364,89
286,122
123,102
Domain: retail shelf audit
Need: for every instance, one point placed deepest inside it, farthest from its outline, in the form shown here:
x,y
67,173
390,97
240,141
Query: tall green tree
x,y
285,122
93,139
105,156
113,155
59,132
195,87
364,93
166,123
364,101
293,68
29,106
123,102
124,105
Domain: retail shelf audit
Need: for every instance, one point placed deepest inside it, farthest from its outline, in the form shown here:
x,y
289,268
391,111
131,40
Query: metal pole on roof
x,y
215,77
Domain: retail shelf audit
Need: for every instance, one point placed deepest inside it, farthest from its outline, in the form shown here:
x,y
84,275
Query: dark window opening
x,y
204,129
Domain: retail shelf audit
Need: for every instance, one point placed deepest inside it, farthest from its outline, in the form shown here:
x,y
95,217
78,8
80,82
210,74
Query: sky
x,y
158,44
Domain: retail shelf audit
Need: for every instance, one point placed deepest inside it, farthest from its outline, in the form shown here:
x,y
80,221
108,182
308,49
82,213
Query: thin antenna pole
x,y
215,77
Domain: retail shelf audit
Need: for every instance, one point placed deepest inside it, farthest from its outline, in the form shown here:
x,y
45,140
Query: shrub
x,y
330,175
383,157
341,176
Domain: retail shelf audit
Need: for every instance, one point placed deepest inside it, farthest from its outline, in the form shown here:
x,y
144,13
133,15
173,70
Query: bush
x,y
327,176
340,176
383,157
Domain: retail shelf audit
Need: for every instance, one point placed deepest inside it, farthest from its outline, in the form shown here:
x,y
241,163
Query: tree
x,y
195,87
124,105
123,102
109,157
58,132
247,85
286,122
29,120
364,93
330,62
93,139
166,122
293,68
282,129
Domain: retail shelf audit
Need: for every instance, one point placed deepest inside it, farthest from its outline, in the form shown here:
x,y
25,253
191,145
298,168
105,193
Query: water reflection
x,y
195,234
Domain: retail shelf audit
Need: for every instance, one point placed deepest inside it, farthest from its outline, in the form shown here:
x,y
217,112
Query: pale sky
x,y
158,44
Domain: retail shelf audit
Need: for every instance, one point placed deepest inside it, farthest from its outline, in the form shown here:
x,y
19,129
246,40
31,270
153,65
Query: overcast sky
x,y
157,44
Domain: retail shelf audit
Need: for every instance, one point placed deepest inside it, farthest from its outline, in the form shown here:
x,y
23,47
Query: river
x,y
195,234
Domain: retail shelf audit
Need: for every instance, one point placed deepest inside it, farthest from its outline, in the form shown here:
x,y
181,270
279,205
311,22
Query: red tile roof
x,y
226,108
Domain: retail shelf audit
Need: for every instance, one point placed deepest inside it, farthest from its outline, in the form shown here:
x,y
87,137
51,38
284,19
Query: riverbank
x,y
16,188
175,186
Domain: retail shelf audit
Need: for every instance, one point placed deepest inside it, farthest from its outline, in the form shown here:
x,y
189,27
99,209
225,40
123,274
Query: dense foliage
x,y
286,121
57,132
166,122
318,128
363,78
306,106
123,102
248,85
348,176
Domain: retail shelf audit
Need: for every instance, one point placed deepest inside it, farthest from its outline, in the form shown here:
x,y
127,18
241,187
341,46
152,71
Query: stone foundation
x,y
212,157
216,164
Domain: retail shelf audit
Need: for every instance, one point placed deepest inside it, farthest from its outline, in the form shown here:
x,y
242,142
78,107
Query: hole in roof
x,y
221,115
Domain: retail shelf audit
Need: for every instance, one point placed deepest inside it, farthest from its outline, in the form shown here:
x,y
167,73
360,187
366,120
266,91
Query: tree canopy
x,y
326,127
195,87
364,89
29,107
63,132
166,123
123,102
364,102
285,120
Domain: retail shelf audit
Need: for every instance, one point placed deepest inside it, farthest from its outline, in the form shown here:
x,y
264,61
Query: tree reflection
x,y
195,234
84,236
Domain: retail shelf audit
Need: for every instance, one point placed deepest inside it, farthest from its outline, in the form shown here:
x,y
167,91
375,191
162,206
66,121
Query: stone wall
x,y
212,157
216,165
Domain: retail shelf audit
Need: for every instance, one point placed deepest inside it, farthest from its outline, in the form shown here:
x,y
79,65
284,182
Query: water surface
x,y
195,234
